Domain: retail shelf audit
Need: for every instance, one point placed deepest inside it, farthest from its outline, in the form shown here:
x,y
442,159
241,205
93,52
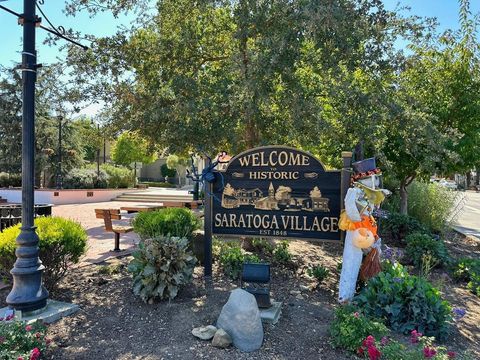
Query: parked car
x,y
449,184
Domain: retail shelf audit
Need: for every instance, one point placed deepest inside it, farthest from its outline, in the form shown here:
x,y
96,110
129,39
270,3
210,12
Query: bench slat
x,y
122,229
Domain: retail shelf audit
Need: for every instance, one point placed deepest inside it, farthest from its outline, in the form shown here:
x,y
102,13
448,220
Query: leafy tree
x,y
235,74
48,103
130,148
435,127
10,125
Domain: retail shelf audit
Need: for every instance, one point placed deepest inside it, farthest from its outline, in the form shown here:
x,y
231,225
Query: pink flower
x,y
9,317
37,335
373,353
414,336
360,351
451,355
369,341
20,358
429,352
35,355
48,341
28,328
356,314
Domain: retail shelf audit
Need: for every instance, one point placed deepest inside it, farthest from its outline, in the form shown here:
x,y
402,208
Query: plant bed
x,y
116,324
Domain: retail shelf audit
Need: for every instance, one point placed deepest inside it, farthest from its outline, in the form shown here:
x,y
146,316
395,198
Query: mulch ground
x,y
115,324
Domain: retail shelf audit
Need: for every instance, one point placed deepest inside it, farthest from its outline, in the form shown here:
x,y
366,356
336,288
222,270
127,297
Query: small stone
x,y
299,297
221,339
305,288
294,292
204,332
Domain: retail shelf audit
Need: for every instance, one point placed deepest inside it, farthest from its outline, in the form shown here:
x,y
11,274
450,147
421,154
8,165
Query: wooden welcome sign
x,y
279,192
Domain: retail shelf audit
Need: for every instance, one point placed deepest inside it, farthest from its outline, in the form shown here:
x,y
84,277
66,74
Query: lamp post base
x,y
28,293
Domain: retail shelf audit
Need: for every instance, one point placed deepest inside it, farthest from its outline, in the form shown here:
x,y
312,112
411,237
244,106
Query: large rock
x,y
240,318
221,339
204,332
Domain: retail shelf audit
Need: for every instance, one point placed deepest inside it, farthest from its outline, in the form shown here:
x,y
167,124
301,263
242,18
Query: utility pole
x,y
28,293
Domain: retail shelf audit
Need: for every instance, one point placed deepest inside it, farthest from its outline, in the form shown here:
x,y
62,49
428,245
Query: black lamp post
x,y
28,293
98,148
59,165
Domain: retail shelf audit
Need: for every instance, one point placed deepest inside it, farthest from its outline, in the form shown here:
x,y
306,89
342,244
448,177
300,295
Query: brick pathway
x,y
100,242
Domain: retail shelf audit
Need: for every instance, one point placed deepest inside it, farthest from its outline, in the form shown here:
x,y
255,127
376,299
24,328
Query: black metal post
x,y
98,154
59,167
345,180
28,293
207,234
196,190
104,150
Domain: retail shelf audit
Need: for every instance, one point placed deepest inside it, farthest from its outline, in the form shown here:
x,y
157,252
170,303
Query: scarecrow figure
x,y
361,199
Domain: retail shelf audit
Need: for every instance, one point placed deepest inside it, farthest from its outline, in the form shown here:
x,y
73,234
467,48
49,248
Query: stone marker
x,y
221,339
240,318
204,332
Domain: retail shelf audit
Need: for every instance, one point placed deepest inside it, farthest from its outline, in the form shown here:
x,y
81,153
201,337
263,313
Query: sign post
x,y
207,190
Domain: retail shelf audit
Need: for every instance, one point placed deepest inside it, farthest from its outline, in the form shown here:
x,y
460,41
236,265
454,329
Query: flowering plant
x,y
350,327
421,348
20,341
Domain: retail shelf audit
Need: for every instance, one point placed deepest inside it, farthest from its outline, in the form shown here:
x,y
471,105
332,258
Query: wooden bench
x,y
107,215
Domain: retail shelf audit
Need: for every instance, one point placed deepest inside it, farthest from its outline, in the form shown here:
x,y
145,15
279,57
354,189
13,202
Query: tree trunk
x,y
404,193
403,198
477,177
468,176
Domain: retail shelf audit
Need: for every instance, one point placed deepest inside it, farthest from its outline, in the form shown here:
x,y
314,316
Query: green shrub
x,y
474,283
62,242
118,177
85,179
318,272
468,270
281,254
22,341
406,302
160,267
263,245
10,180
171,221
463,268
398,226
167,172
350,327
419,244
231,258
431,204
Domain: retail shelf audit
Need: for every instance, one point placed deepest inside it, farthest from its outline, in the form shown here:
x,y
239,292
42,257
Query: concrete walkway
x,y
100,242
468,223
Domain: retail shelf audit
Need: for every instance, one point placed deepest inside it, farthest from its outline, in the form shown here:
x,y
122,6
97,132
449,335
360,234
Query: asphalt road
x,y
468,222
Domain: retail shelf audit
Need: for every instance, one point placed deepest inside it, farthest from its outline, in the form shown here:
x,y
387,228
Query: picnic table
x,y
141,208
166,204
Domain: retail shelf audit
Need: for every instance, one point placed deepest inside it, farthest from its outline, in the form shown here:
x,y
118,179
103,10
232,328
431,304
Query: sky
x,y
446,12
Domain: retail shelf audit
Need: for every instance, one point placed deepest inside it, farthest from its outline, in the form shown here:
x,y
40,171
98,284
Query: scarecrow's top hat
x,y
365,168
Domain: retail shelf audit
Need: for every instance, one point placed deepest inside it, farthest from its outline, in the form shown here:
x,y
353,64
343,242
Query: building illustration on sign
x,y
276,199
